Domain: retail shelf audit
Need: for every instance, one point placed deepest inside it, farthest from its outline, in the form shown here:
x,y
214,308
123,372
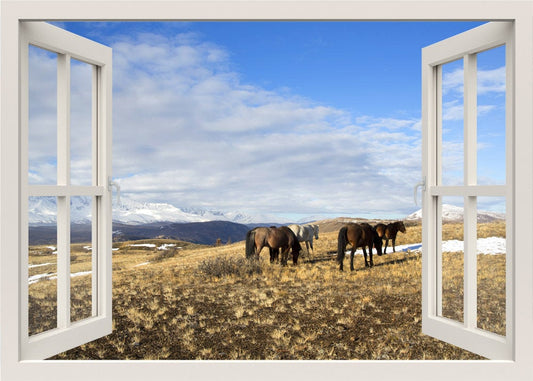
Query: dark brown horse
x,y
358,235
274,238
390,231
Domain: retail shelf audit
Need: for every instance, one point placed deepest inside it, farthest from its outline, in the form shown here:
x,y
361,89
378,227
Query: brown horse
x,y
358,235
274,238
390,231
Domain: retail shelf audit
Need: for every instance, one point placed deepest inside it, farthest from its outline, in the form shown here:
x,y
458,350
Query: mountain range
x,y
134,221
43,210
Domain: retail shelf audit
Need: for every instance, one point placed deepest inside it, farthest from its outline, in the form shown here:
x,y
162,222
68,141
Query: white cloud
x,y
187,131
488,81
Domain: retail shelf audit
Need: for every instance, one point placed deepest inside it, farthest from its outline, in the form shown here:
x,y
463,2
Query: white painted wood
x,y
51,342
104,202
469,191
473,41
465,45
22,219
95,203
64,191
470,262
63,119
63,262
438,260
68,335
63,178
470,119
80,48
485,343
517,182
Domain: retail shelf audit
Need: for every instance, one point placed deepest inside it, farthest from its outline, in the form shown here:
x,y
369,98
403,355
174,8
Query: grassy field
x,y
200,302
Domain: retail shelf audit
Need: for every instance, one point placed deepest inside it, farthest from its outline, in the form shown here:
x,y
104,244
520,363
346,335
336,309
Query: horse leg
x,y
341,262
258,250
371,254
284,256
364,253
394,244
352,253
294,257
386,244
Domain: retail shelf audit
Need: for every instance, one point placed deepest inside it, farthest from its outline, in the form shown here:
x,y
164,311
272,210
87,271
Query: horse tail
x,y
250,243
342,241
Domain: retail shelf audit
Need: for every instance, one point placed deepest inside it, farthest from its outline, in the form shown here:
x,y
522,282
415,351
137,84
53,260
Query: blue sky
x,y
284,118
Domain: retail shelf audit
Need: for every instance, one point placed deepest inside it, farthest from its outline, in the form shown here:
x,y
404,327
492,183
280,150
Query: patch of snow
x,y
50,276
150,245
142,264
81,273
39,265
490,246
165,246
88,248
39,277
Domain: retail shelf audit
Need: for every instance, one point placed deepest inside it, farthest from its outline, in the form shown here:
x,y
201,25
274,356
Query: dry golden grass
x,y
176,307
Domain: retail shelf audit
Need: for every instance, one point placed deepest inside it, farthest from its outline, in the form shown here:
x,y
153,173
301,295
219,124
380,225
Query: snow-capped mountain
x,y
43,210
452,213
133,212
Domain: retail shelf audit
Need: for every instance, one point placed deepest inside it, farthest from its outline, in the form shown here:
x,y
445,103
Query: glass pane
x,y
452,155
491,116
491,264
452,258
42,264
81,123
42,124
81,259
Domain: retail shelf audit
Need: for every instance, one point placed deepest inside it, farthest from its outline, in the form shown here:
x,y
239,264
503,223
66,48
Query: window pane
x,y
452,258
42,264
42,127
491,264
491,116
452,154
81,123
81,249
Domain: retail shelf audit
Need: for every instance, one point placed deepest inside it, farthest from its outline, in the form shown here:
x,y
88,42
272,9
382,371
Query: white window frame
x,y
464,334
519,12
69,46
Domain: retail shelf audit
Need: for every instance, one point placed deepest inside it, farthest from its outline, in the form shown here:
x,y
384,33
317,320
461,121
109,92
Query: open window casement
x,y
76,179
462,326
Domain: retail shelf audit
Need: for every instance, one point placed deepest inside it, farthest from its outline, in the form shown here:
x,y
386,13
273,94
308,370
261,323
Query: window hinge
x,y
421,185
111,184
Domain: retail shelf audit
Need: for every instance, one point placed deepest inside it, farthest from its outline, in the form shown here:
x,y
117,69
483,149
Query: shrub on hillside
x,y
225,266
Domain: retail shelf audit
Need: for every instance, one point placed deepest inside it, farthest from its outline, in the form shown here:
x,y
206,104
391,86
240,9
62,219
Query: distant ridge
x,y
452,213
205,233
